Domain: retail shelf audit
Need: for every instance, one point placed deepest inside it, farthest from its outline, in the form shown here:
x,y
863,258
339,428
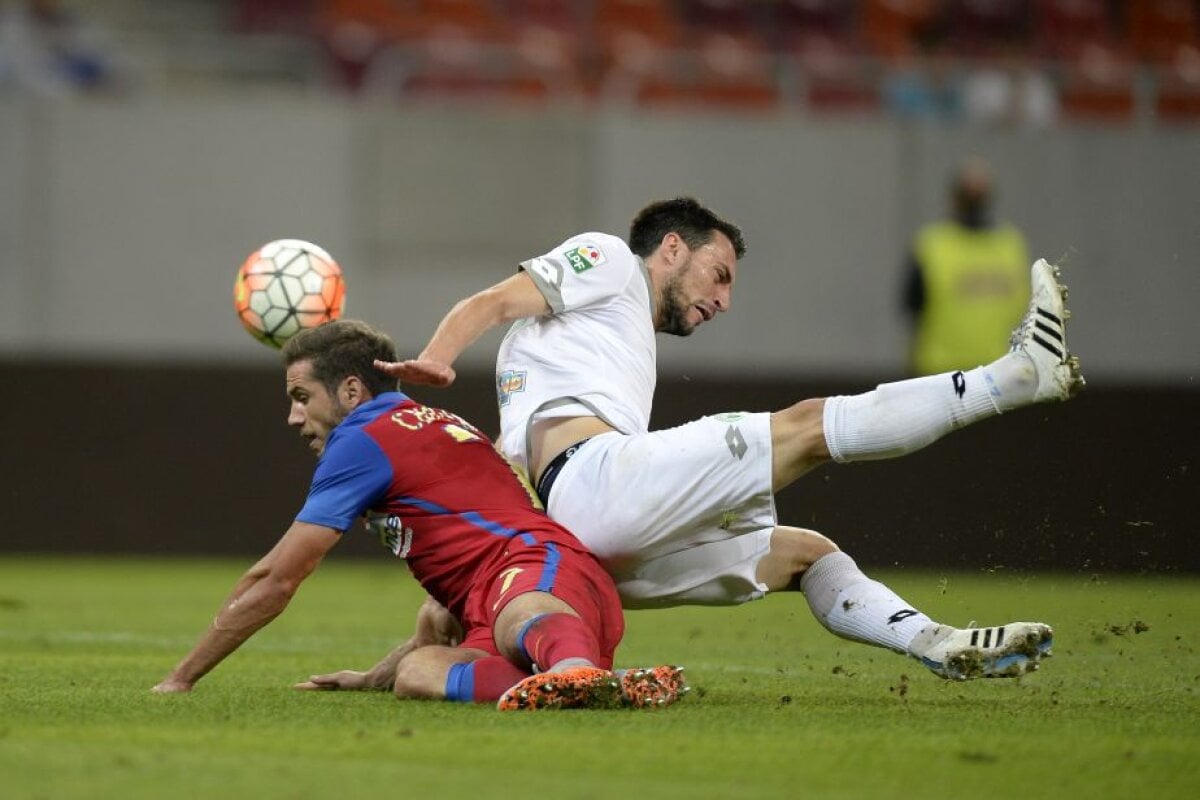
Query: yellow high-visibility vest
x,y
976,289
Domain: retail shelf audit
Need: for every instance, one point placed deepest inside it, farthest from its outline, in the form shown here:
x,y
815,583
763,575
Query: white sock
x,y
902,417
855,607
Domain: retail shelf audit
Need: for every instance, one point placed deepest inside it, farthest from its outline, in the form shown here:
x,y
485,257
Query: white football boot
x,y
1042,336
1006,651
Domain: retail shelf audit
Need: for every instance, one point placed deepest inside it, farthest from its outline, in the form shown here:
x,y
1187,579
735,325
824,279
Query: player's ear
x,y
353,392
671,247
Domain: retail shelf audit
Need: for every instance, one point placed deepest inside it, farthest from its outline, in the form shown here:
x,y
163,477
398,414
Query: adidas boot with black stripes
x,y
1042,336
1005,651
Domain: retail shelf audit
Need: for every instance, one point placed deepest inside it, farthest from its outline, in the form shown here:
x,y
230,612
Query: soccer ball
x,y
285,286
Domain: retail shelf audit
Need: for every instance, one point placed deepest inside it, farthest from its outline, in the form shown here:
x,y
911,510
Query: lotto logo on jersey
x,y
509,382
585,257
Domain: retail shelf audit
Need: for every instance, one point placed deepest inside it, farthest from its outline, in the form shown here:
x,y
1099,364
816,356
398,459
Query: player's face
x,y
313,409
700,287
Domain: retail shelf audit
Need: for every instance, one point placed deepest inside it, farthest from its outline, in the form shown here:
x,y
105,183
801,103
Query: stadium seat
x,y
355,32
480,18
389,19
560,15
463,51
1062,29
834,78
975,28
1098,86
730,17
1177,94
554,58
655,19
552,34
275,16
794,23
735,73
894,28
818,40
1158,28
633,44
732,73
453,65
639,69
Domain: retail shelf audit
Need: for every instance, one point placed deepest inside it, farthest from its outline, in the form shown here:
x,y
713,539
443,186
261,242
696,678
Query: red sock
x,y
482,680
552,638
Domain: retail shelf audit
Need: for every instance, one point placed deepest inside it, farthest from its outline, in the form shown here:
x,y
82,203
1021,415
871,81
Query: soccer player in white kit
x,y
687,515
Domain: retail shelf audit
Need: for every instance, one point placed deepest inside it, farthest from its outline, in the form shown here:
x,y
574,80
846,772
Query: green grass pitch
x,y
781,709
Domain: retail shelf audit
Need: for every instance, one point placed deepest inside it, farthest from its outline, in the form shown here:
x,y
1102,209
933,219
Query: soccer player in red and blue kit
x,y
541,618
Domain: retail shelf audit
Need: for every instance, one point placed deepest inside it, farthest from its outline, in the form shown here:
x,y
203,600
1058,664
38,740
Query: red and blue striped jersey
x,y
433,488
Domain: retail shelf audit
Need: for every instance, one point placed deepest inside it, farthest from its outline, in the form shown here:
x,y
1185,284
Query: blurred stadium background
x,y
430,145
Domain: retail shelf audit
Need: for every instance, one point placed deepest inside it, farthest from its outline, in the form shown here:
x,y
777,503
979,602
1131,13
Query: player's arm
x,y
511,299
435,626
257,598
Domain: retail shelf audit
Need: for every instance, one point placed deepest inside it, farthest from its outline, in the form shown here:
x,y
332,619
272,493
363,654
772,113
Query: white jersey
x,y
593,355
676,516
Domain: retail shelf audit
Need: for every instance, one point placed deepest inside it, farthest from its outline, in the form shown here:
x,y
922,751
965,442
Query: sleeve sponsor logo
x,y
392,532
508,383
584,257
550,273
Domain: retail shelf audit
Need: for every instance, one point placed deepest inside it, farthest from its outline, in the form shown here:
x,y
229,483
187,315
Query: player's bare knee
x,y
517,613
420,676
793,551
802,546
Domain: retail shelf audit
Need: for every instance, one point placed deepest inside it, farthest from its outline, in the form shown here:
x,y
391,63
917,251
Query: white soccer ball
x,y
286,286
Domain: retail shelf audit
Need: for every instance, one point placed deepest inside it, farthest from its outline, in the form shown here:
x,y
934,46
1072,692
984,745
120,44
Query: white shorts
x,y
678,516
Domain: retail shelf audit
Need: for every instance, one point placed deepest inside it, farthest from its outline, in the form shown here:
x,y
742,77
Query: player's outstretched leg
x,y
855,607
655,687
902,417
1042,336
576,687
1006,651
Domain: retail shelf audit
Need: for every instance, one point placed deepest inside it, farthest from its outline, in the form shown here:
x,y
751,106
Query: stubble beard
x,y
673,318
340,412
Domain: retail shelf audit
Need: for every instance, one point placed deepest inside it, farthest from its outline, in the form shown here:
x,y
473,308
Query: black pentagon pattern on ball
x,y
287,326
284,305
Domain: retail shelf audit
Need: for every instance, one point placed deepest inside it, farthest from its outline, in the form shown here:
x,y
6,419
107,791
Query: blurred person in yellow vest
x,y
967,284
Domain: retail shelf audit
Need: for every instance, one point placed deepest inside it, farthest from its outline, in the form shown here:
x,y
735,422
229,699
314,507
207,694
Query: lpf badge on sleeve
x,y
585,257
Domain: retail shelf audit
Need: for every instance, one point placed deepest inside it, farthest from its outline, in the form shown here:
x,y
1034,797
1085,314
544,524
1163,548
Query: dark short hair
x,y
694,223
342,348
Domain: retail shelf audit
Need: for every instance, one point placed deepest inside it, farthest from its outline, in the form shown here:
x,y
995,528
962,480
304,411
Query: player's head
x,y
330,372
683,216
692,256
971,193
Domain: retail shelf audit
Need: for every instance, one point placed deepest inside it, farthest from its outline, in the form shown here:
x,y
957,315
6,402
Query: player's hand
x,y
423,371
346,680
435,625
172,686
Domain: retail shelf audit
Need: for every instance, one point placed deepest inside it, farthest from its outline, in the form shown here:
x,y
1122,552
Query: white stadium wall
x,y
123,222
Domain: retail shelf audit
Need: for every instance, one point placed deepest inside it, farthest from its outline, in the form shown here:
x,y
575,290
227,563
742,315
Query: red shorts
x,y
563,569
